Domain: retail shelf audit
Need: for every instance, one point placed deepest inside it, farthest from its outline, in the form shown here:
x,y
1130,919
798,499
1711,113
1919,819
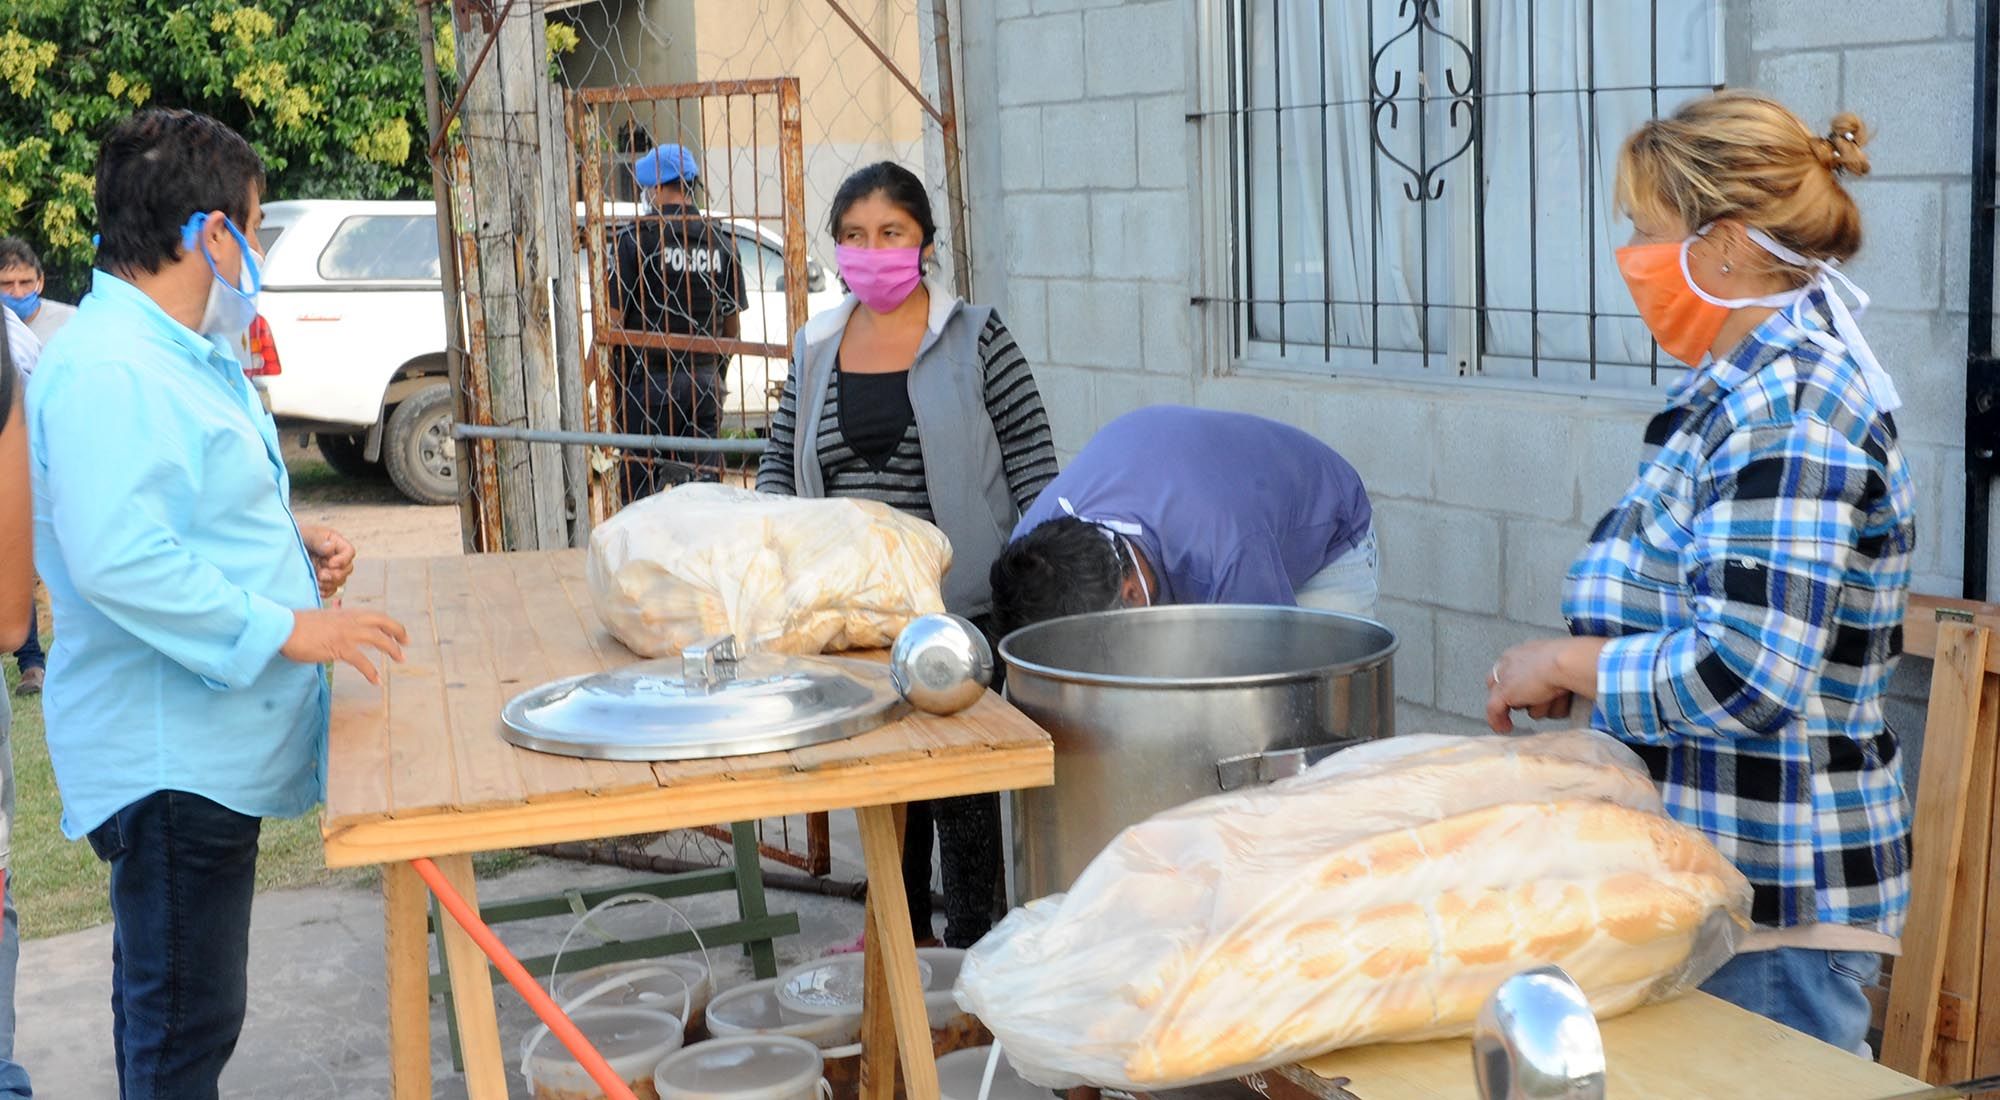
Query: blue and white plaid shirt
x,y
1753,580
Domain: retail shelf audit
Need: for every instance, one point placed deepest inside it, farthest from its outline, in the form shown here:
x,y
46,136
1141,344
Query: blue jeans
x,y
183,870
30,654
13,1079
1816,992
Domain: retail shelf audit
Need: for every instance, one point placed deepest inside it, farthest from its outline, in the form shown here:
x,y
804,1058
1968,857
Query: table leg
x,y
406,944
878,1025
889,936
472,992
750,897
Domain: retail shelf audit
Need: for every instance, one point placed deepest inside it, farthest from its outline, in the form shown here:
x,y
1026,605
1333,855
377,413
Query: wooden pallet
x,y
1940,1017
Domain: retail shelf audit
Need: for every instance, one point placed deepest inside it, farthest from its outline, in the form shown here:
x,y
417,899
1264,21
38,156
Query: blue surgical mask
x,y
230,308
24,306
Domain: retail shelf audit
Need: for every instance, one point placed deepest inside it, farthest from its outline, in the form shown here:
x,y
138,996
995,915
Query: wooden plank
x,y
783,794
519,663
1920,624
358,734
1950,729
422,773
560,628
1695,1046
488,777
406,946
1986,1025
889,936
1965,940
472,993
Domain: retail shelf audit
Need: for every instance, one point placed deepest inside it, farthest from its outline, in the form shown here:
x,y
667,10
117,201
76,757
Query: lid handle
x,y
709,662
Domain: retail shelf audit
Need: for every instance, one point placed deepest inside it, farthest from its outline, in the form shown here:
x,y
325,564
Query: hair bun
x,y
1840,150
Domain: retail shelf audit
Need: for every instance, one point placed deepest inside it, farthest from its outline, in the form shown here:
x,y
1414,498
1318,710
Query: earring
x,y
1725,267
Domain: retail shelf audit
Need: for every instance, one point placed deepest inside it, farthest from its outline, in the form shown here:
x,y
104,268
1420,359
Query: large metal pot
x,y
1155,707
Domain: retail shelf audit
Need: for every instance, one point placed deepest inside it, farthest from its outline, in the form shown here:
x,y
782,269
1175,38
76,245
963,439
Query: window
x,y
1424,186
267,236
390,247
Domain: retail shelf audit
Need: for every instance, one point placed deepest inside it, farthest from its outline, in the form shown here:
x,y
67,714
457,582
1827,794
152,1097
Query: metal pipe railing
x,y
622,441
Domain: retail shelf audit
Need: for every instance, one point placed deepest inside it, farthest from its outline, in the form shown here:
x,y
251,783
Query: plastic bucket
x,y
944,963
960,1072
754,1009
633,1040
831,986
666,984
744,1067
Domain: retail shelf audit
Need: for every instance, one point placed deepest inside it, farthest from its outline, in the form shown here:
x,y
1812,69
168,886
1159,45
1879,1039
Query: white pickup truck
x,y
351,345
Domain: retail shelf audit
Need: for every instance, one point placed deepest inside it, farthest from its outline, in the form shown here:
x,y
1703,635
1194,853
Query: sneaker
x,y
31,682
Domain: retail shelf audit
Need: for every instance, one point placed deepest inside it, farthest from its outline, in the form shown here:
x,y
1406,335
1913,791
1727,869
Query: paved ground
x,y
316,1029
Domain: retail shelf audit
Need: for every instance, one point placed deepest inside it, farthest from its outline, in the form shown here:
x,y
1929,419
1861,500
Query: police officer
x,y
677,273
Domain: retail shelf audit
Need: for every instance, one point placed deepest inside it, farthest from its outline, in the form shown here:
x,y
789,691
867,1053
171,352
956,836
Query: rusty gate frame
x,y
607,333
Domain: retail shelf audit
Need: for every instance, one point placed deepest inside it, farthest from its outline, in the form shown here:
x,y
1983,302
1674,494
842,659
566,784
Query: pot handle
x,y
1257,768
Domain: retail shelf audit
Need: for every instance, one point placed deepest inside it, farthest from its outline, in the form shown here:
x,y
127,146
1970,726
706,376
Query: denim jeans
x,y
1347,584
30,654
1816,992
13,1077
183,870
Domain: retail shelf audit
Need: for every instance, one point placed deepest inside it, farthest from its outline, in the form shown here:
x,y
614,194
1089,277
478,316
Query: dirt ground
x,y
380,521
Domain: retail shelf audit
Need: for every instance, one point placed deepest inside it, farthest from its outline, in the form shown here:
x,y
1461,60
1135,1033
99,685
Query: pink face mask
x,y
883,278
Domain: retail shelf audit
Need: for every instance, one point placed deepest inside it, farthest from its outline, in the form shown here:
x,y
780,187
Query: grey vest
x,y
963,469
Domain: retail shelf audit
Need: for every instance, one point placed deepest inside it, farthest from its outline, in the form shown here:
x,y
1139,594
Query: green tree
x,y
329,92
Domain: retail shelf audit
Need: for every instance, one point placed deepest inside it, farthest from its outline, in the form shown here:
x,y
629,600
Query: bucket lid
x,y
832,986
960,1072
743,1067
714,701
646,987
619,1034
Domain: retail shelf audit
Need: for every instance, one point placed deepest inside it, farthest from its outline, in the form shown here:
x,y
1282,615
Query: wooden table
x,y
1696,1046
418,769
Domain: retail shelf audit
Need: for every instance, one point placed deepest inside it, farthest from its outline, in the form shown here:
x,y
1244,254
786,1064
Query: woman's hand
x,y
1543,678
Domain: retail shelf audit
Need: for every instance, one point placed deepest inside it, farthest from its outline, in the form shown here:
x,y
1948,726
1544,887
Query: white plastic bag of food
x,y
783,575
1381,896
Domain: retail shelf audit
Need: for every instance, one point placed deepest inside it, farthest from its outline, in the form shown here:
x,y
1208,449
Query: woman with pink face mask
x,y
907,395
1737,614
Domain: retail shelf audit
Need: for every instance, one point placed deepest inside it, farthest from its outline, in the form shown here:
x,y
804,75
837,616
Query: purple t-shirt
x,y
1231,508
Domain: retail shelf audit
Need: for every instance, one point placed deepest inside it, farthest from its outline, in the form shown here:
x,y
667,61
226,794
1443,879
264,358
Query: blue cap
x,y
665,164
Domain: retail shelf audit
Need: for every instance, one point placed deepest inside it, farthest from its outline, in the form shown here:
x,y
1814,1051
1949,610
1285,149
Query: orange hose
x,y
559,1023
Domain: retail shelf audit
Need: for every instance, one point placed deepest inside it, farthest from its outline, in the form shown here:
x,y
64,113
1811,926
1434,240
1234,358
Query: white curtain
x,y
1317,183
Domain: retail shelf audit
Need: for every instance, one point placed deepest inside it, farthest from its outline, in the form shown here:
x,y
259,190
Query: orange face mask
x,y
1683,323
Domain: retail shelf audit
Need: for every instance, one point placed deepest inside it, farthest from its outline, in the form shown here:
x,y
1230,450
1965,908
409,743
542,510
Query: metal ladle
x,y
1536,1039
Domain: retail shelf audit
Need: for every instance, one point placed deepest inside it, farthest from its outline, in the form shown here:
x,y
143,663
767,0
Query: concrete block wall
x,y
1087,193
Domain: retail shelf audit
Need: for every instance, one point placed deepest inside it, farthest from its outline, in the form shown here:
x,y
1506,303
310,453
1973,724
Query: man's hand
x,y
322,636
332,556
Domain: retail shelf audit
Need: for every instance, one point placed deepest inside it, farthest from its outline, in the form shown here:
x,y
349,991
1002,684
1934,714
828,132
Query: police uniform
x,y
677,273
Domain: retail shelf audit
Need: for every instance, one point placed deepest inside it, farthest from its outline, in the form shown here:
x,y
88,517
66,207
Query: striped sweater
x,y
1027,449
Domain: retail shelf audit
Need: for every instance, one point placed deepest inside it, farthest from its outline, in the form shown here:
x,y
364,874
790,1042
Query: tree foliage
x,y
329,92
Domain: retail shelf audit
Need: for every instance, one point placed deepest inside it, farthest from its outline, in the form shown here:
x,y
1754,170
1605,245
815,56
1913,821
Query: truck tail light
x,y
263,351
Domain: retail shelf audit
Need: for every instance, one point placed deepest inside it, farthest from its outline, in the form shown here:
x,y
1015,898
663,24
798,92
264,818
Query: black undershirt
x,y
875,414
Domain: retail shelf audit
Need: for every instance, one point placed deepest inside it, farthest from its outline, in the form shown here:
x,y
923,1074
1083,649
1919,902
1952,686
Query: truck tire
x,y
348,455
417,447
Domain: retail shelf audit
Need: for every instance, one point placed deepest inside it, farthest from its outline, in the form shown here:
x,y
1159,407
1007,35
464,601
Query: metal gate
x,y
1982,365
748,136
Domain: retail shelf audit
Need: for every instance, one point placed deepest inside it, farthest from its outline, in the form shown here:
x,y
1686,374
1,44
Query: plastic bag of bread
x,y
784,575
1380,896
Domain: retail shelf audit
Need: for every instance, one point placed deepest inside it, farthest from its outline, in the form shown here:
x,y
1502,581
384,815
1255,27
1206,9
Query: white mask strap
x,y
1113,529
1828,278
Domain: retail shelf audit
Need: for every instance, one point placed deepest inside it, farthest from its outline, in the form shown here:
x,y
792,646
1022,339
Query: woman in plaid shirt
x,y
1737,614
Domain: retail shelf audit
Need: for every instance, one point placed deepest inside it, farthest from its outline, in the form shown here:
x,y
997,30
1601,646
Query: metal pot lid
x,y
713,701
